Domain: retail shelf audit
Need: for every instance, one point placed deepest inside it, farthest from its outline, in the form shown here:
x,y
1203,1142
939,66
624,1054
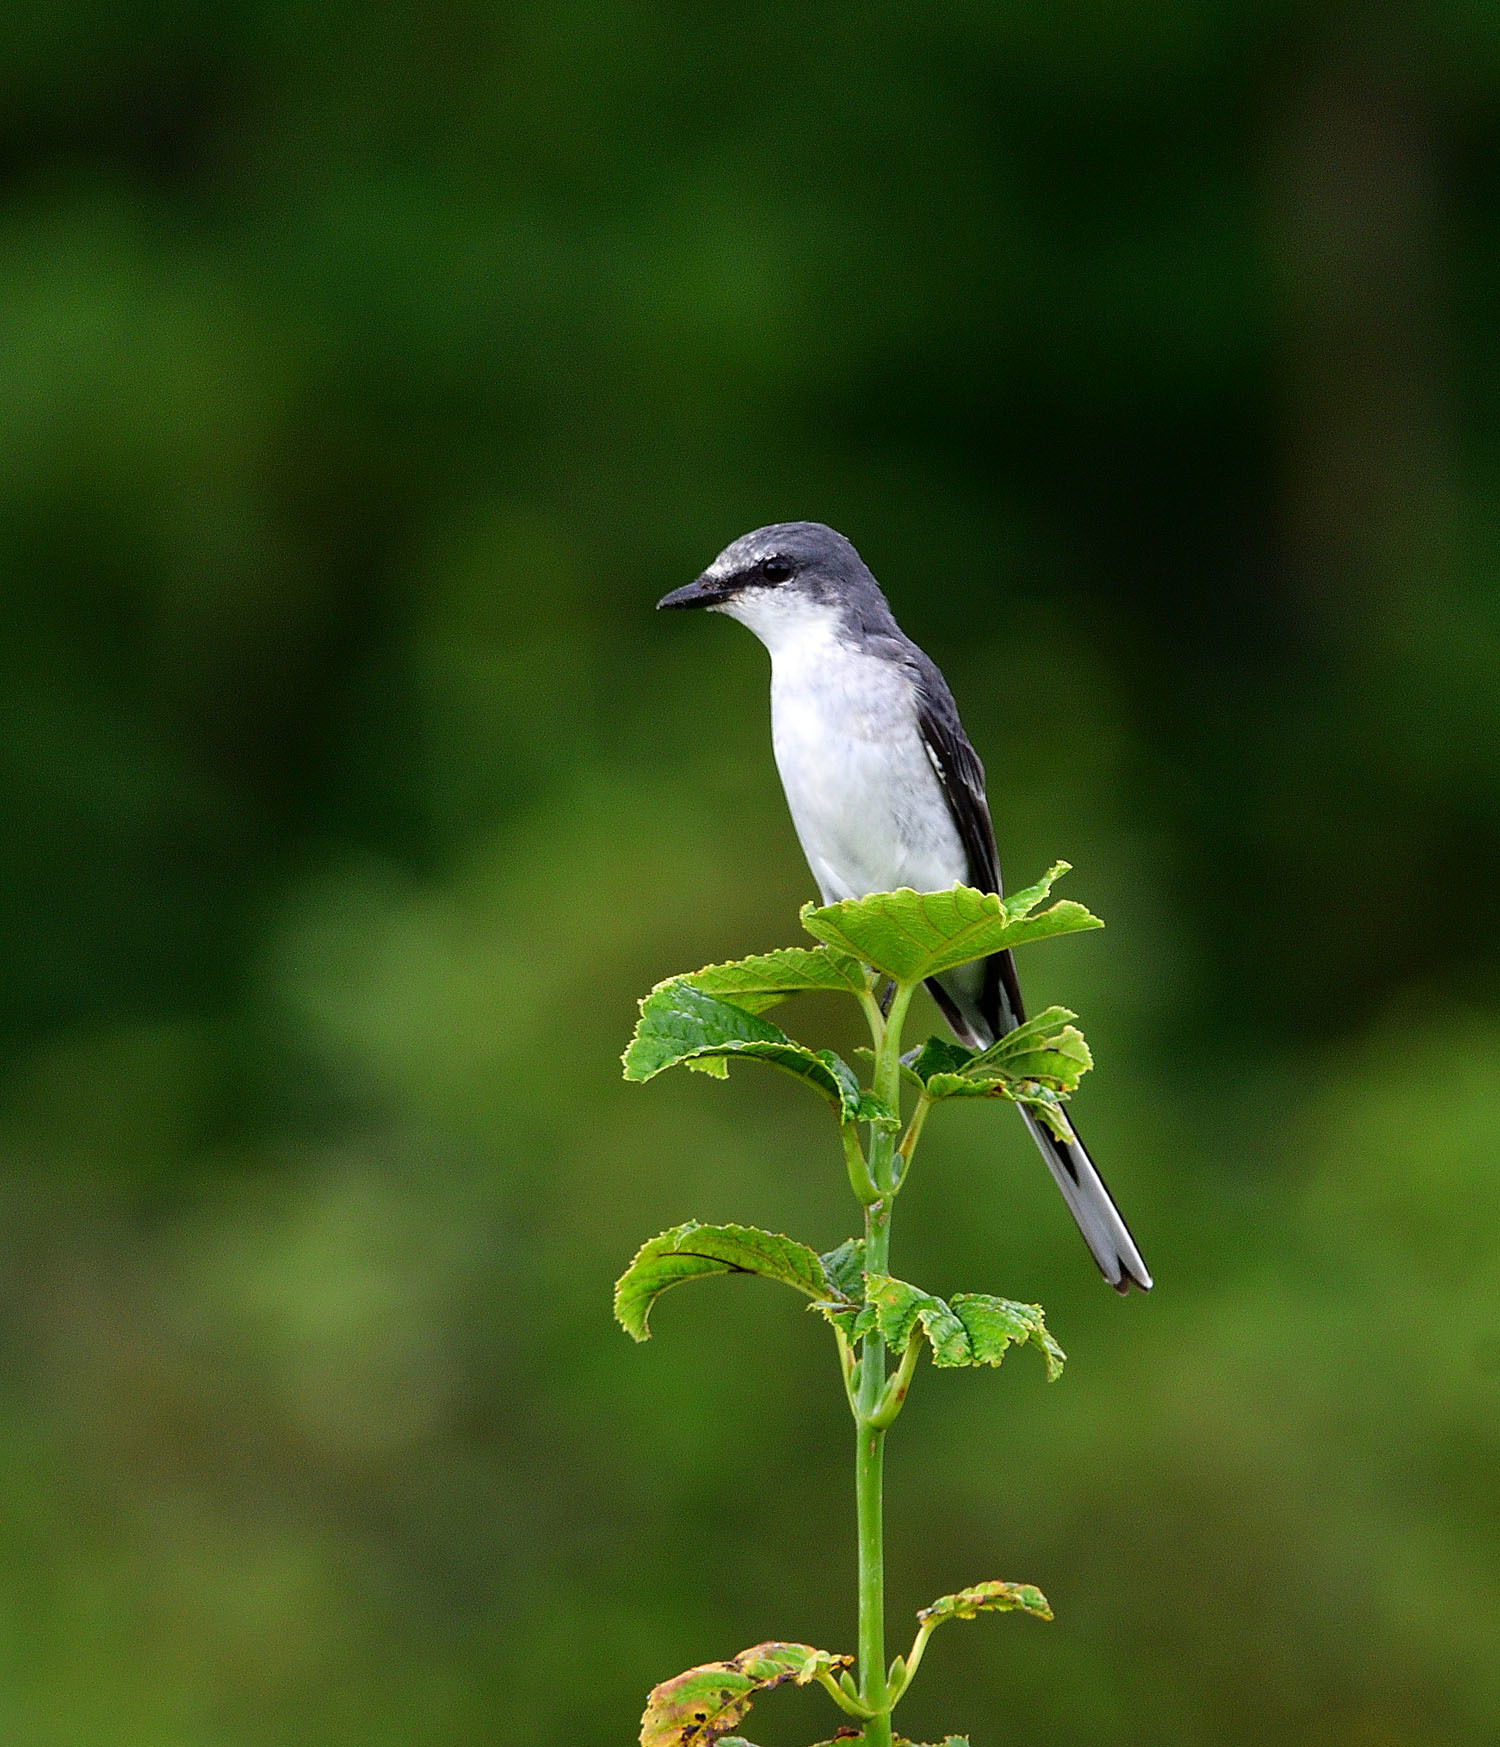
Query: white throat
x,y
785,620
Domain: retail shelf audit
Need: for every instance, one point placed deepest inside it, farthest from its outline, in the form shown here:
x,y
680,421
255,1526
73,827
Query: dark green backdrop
x,y
366,372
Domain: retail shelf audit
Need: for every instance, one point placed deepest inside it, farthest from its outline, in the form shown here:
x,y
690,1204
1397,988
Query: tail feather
x,y
1093,1208
979,1014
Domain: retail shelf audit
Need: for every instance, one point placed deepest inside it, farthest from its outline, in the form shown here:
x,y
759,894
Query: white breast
x,y
868,808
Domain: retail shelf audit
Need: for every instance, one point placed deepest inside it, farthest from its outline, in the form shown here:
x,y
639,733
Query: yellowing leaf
x,y
700,1707
987,1598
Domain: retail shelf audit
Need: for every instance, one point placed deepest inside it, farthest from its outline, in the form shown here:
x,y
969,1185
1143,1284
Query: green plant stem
x,y
869,1431
868,1478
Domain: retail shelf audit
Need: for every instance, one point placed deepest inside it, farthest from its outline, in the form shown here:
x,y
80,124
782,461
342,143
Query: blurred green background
x,y
366,373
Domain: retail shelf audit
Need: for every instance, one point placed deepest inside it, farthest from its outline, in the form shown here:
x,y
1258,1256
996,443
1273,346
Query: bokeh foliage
x,y
367,373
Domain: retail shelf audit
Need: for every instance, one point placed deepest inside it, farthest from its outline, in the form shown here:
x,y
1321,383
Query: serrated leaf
x,y
1041,1100
972,1329
1036,1065
987,1598
1046,1048
1022,903
912,935
939,1055
699,1707
845,1267
694,1252
765,978
844,1270
679,1023
993,1324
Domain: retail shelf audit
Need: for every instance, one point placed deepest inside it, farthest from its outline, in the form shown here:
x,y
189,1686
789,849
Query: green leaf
x,y
939,1055
1022,903
993,1324
768,977
845,1267
679,1023
1046,1104
947,1741
912,935
694,1252
987,1598
1046,1048
972,1329
699,1707
1038,1065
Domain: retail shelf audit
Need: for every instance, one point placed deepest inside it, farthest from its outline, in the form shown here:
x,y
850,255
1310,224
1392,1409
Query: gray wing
x,y
962,776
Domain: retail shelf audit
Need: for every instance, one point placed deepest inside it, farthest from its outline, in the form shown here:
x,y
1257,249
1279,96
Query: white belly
x,y
867,805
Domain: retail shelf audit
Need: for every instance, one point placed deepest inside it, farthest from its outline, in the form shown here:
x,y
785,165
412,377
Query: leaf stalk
x,y
893,1397
911,1661
913,1133
850,1705
860,1180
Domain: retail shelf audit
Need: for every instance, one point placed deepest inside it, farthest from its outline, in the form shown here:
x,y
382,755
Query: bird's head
x,y
782,578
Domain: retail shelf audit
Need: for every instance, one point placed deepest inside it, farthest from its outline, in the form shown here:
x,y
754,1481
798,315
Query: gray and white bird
x,y
884,788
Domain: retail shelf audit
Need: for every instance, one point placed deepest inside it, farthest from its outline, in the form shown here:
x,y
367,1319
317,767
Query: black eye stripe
x,y
776,569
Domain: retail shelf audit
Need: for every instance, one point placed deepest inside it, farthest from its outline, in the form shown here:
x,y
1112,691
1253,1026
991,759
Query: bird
x,y
885,789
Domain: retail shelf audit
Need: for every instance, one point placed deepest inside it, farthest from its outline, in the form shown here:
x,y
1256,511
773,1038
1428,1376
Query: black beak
x,y
705,592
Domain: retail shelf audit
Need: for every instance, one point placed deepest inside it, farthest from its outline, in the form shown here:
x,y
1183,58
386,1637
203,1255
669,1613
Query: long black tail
x,y
1093,1208
980,1014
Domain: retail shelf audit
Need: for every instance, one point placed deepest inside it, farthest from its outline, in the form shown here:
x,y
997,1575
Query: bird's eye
x,y
776,569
